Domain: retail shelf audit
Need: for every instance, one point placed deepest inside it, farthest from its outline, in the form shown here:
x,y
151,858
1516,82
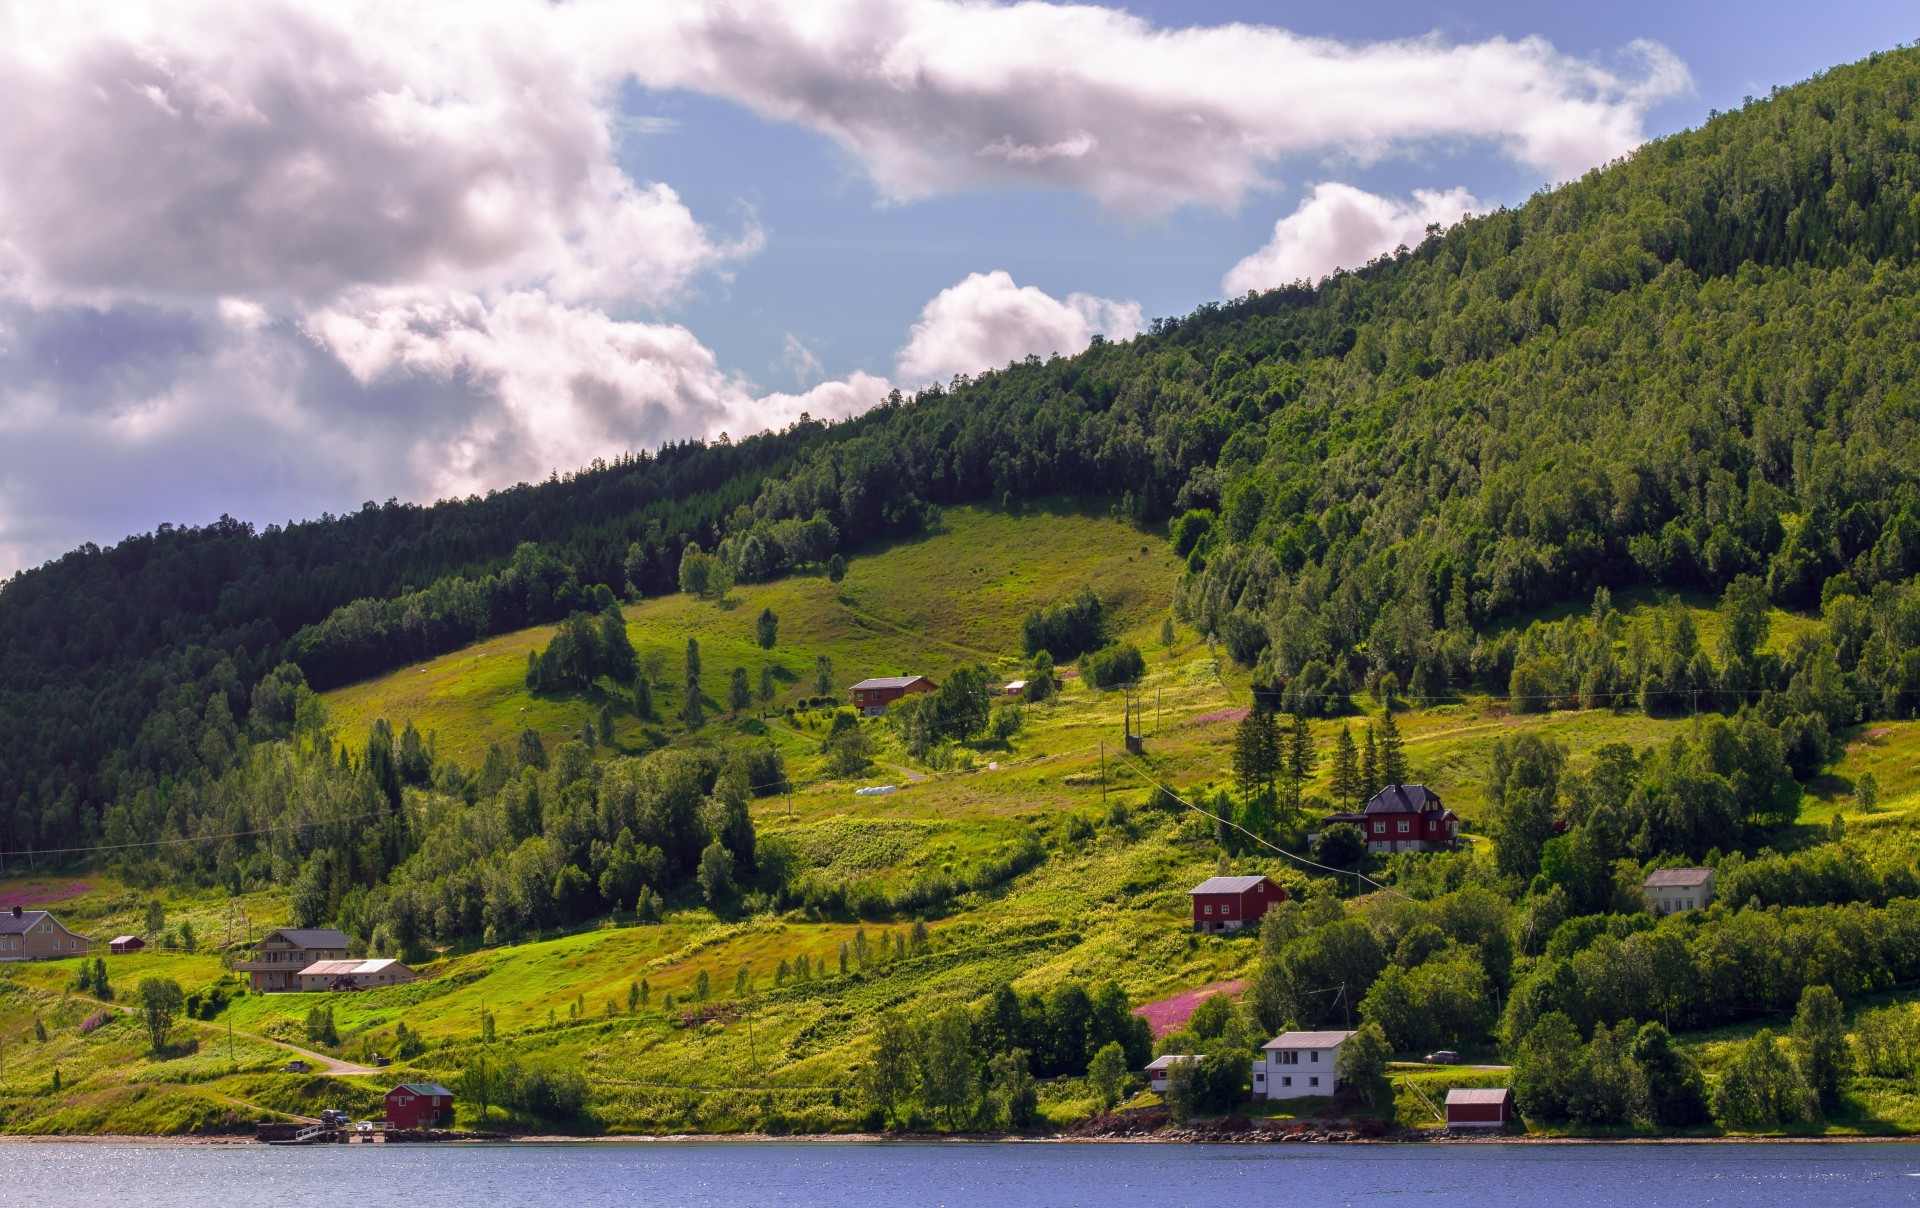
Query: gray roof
x,y
20,924
1307,1040
1678,878
1225,885
1167,1062
890,681
1404,799
1478,1094
309,937
424,1088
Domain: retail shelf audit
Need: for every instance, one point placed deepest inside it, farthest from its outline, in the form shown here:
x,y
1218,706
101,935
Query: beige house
x,y
35,935
1675,889
355,975
279,958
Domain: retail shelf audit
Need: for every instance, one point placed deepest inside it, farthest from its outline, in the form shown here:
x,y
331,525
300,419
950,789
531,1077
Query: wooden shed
x,y
419,1105
1479,1107
120,945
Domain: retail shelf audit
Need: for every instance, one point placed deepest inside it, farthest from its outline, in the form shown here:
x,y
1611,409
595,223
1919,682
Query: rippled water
x,y
906,1175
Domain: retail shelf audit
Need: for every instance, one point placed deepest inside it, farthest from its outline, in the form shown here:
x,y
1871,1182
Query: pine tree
x,y
767,629
1369,766
739,691
1393,759
768,688
692,711
1346,770
823,675
1249,770
605,727
1301,757
643,698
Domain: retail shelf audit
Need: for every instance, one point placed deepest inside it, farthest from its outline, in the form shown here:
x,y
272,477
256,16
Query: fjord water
x,y
907,1175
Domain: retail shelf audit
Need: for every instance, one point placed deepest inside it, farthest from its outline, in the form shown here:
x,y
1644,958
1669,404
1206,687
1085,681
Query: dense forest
x,y
1694,369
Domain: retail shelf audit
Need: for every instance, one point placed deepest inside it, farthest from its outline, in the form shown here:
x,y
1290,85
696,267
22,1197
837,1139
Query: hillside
x,y
1599,515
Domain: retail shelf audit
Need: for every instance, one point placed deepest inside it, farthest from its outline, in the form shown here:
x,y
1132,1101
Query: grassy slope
x,y
1108,905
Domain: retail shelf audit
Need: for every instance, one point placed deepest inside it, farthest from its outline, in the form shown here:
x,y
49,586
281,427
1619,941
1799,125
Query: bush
x,y
1117,664
1068,628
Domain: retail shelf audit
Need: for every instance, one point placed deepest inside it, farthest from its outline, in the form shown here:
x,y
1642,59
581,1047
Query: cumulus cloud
x,y
937,95
1339,226
987,320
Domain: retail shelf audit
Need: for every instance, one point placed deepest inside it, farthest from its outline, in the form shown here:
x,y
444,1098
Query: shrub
x,y
1117,664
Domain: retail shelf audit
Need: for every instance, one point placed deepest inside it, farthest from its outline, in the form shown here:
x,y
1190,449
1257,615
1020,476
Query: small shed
x,y
1479,1107
120,945
1230,903
419,1105
1014,688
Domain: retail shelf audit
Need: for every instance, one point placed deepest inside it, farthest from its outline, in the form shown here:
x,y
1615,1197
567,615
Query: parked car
x,y
335,1117
1443,1057
296,1067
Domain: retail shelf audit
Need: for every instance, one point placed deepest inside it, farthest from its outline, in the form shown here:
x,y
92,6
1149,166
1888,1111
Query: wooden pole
x,y
1103,771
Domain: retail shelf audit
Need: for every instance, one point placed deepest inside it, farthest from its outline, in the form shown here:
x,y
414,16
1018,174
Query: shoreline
x,y
967,1139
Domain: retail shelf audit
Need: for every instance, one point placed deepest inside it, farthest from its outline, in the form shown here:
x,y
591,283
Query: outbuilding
x,y
120,945
1479,1107
1158,1067
872,696
1230,903
355,975
419,1105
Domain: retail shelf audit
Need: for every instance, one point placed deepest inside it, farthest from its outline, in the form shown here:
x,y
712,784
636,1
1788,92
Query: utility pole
x,y
1103,771
230,1060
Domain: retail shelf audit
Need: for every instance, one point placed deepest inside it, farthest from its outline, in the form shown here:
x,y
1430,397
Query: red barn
x,y
1479,1107
419,1105
1230,903
872,696
120,945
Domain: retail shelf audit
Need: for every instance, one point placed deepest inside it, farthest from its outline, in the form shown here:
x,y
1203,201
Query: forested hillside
x,y
1693,368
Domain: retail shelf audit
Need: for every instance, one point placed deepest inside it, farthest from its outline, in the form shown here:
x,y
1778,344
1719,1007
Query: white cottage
x,y
1671,890
1294,1065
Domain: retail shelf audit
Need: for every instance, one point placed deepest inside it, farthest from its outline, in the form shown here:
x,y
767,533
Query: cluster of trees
x,y
585,648
1067,628
968,1068
531,1092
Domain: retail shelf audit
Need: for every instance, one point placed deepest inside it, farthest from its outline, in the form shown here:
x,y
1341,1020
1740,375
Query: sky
x,y
279,259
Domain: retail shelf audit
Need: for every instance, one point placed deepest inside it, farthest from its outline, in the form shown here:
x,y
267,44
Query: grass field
x,y
1107,902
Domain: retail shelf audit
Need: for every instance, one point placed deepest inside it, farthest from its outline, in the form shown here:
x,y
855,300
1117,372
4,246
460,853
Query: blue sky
x,y
281,258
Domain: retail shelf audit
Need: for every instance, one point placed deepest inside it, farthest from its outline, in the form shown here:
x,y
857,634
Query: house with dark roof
x,y
1230,903
35,935
278,958
872,696
1405,817
1670,890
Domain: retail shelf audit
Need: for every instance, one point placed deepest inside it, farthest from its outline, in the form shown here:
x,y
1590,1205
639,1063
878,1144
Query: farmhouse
x,y
355,975
1674,889
1230,903
419,1105
120,945
35,935
872,696
279,958
1405,817
1158,1067
1479,1107
1295,1064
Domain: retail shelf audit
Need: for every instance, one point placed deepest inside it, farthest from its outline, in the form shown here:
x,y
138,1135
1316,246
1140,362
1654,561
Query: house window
x,y
1379,828
1209,910
1286,1082
1403,828
1313,1082
1316,1056
1689,903
1287,1057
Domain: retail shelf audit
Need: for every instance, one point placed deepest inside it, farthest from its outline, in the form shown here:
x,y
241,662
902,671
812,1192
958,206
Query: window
x,y
1209,910
1689,903
1403,826
1313,1082
1286,1082
1379,828
1287,1057
1316,1056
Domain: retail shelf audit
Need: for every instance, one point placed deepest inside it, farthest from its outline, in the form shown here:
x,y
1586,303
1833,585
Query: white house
x,y
1158,1067
1674,889
1294,1065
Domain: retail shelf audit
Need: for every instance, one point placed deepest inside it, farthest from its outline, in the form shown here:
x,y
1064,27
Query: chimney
x,y
16,912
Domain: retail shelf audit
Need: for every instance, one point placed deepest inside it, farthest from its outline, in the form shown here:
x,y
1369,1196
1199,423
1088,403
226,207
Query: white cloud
x,y
1340,226
937,95
986,321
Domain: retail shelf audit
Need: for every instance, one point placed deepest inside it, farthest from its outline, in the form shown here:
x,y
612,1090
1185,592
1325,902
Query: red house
x,y
1405,817
120,945
419,1105
872,696
1230,903
1479,1107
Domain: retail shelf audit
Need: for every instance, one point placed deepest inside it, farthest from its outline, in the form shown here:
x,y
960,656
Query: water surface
x,y
908,1175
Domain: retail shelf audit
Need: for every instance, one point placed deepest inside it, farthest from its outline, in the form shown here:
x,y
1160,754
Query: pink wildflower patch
x,y
1221,715
41,894
1171,1014
93,1021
